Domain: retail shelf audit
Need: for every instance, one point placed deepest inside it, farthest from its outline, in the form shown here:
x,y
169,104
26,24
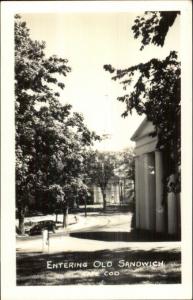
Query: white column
x,y
137,199
172,210
141,192
172,214
94,194
150,191
160,227
146,196
117,193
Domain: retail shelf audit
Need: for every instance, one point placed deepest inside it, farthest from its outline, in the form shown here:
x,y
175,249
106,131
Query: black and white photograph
x,y
98,147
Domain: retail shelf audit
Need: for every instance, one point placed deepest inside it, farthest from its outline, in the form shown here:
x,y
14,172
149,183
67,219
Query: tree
x,y
64,166
51,140
125,163
153,88
153,26
125,172
100,169
33,74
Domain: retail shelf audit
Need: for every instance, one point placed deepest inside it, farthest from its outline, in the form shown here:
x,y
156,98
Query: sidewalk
x,y
72,244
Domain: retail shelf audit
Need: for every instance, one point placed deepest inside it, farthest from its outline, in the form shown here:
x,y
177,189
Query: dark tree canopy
x,y
51,140
156,93
154,88
153,26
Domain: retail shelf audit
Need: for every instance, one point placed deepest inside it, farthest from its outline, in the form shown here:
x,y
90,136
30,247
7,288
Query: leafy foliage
x,y
125,164
101,167
153,26
153,88
51,140
156,93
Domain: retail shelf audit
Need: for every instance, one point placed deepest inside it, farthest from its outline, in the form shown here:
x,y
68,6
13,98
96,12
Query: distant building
x,y
118,191
151,213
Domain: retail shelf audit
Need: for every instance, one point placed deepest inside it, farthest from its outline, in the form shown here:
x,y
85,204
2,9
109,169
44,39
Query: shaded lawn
x,y
32,267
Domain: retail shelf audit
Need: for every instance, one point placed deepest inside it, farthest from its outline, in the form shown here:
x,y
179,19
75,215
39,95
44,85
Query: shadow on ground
x,y
126,266
132,236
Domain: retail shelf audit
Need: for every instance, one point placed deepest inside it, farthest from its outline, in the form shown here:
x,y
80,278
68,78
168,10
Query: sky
x,y
88,41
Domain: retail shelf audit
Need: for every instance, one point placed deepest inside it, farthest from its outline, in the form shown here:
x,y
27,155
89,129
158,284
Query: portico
x,y
149,171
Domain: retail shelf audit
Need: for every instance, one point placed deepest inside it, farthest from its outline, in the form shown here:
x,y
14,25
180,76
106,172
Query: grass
x,y
32,268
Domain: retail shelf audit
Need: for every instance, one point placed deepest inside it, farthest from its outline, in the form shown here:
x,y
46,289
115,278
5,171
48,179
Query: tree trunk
x,y
104,200
21,220
77,203
56,217
65,217
85,208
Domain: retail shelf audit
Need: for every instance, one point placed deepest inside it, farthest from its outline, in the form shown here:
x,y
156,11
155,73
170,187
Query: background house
x,y
119,191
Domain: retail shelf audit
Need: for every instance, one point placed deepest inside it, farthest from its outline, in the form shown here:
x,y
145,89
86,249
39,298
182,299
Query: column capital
x,y
158,151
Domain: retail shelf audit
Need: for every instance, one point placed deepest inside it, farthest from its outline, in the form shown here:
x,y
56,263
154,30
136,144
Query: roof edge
x,y
138,130
136,134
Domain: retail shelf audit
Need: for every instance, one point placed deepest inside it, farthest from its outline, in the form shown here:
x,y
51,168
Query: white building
x,y
118,191
151,213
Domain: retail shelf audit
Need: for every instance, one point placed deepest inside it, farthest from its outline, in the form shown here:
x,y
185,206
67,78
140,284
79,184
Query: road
x,y
93,233
92,223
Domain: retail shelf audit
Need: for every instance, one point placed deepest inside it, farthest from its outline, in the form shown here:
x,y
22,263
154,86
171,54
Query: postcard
x,y
96,150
